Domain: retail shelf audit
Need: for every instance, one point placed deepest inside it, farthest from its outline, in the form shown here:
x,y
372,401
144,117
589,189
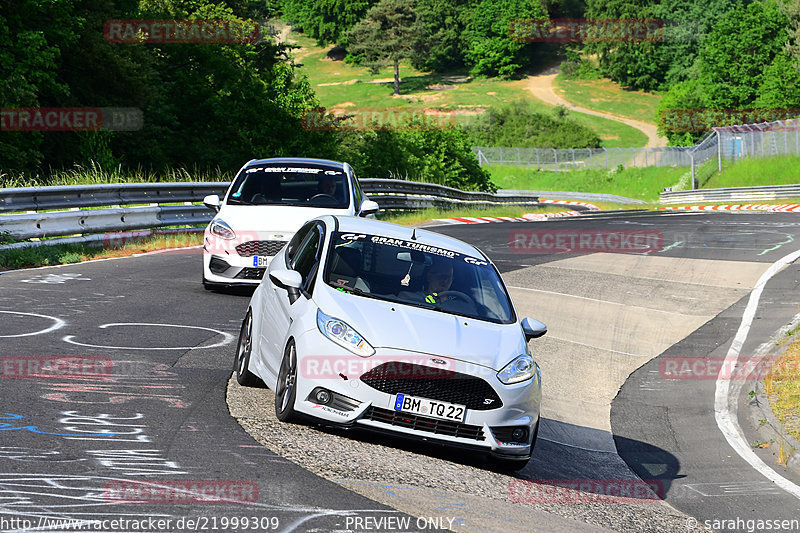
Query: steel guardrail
x,y
78,211
731,194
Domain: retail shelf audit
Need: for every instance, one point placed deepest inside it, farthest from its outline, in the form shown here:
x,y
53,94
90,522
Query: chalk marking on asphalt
x,y
789,240
671,246
725,408
227,337
649,309
57,324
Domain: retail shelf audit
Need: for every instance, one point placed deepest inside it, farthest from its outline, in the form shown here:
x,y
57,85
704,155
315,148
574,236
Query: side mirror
x,y
290,280
368,207
212,202
533,329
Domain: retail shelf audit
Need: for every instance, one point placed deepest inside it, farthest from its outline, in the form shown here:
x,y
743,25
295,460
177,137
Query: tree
x,y
327,21
490,48
390,32
738,50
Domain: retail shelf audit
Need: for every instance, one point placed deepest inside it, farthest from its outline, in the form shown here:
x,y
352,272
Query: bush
x,y
520,126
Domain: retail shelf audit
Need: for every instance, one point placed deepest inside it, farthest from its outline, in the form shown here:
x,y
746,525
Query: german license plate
x,y
432,408
261,260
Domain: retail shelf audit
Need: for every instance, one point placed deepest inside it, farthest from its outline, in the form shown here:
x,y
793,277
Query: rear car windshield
x,y
304,185
417,274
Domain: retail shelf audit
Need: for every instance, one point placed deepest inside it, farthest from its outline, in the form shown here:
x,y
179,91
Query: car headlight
x,y
342,334
222,230
520,369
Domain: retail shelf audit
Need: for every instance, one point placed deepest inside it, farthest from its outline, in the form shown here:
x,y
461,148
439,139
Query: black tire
x,y
243,349
286,388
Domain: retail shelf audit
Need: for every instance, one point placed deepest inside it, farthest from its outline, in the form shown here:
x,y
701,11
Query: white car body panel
x,y
439,341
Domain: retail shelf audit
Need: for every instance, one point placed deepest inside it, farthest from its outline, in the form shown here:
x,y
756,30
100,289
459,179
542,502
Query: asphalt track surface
x,y
75,446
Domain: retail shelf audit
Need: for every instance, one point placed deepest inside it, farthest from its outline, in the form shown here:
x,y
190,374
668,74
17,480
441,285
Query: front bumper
x,y
224,266
355,403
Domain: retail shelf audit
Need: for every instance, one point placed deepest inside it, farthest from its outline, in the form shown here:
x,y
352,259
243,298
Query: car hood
x,y
281,219
408,328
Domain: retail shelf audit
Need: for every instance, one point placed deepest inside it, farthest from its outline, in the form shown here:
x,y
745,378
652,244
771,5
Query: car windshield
x,y
413,273
305,186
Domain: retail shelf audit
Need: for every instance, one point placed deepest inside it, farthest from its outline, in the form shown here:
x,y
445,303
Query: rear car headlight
x,y
342,334
222,230
522,368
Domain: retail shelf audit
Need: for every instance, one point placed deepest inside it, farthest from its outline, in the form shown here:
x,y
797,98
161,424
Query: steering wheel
x,y
323,195
458,295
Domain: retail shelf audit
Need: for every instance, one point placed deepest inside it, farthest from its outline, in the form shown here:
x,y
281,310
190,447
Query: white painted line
x,y
725,406
57,324
649,309
227,337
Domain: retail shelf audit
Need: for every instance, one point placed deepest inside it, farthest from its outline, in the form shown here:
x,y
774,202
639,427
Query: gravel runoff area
x,y
361,461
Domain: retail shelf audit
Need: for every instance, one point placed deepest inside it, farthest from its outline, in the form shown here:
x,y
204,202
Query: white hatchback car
x,y
384,327
265,205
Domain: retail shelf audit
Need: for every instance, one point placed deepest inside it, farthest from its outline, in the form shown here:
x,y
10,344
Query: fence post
x,y
719,151
606,151
591,159
501,156
555,158
519,158
694,180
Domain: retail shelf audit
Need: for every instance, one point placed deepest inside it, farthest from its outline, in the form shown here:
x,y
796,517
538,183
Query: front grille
x,y
422,423
447,386
251,248
251,273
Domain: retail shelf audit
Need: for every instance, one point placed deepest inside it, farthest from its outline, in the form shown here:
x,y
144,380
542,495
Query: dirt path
x,y
541,86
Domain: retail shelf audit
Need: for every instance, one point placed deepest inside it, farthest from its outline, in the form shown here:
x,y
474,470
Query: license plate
x,y
432,408
261,260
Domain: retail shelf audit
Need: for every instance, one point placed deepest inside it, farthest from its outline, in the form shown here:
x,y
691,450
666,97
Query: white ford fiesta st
x,y
265,204
367,324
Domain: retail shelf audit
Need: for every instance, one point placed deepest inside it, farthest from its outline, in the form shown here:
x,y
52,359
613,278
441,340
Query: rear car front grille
x,y
251,248
422,423
251,273
445,385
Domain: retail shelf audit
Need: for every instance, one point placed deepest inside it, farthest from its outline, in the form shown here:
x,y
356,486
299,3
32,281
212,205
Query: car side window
x,y
359,196
297,239
307,257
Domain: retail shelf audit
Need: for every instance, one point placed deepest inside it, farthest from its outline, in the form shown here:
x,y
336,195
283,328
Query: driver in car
x,y
438,279
327,185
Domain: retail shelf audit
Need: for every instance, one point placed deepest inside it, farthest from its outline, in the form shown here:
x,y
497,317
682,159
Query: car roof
x,y
396,231
297,160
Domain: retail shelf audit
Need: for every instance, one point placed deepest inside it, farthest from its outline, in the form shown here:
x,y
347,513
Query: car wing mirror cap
x,y
368,207
212,202
533,329
290,280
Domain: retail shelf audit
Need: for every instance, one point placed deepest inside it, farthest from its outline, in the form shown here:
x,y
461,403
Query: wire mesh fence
x,y
729,143
561,159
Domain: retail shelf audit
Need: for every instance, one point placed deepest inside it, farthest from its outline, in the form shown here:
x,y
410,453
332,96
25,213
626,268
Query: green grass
x,y
640,183
421,91
60,254
94,174
782,170
782,386
607,96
